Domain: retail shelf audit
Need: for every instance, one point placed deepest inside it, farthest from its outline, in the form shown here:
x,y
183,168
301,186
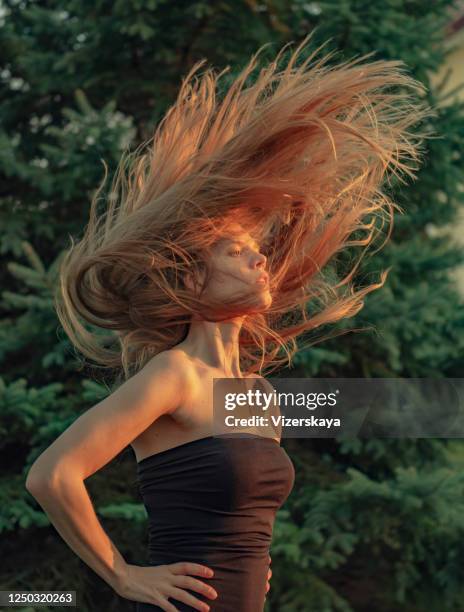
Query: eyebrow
x,y
236,241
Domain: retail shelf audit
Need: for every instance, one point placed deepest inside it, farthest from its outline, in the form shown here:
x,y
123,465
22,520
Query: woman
x,y
207,263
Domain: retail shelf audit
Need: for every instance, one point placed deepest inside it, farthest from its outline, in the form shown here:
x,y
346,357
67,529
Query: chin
x,y
266,298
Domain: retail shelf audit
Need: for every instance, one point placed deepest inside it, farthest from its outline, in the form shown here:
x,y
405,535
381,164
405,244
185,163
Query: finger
x,y
166,606
270,560
181,595
187,582
187,567
269,574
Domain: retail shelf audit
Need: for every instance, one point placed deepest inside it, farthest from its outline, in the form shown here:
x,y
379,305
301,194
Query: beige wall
x,y
455,64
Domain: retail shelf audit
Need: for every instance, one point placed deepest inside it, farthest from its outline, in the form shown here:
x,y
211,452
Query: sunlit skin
x,y
238,264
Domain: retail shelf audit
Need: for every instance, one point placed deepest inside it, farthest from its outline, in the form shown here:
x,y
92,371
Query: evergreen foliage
x,y
371,524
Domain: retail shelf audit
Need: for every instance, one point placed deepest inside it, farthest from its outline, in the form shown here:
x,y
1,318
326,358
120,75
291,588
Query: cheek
x,y
229,279
229,267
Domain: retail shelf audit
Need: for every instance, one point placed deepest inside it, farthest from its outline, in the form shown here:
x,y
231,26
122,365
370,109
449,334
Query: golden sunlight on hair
x,y
298,158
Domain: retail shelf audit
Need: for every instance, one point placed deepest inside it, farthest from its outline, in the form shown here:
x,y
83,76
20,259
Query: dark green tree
x,y
371,524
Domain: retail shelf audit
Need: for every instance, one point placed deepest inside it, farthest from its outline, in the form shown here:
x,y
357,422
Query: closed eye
x,y
235,252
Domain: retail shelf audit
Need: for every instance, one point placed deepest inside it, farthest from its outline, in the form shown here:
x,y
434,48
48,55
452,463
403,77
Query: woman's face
x,y
238,267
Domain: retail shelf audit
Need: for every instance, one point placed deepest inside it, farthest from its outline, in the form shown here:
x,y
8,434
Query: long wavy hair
x,y
299,157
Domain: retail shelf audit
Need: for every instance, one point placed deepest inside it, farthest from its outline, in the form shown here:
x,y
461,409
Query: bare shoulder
x,y
106,428
179,361
164,366
180,364
170,358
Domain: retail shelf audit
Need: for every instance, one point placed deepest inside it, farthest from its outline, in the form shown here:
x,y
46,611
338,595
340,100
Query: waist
x,y
239,579
222,557
181,541
207,534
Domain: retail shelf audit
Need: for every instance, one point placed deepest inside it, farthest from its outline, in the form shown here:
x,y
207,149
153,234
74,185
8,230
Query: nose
x,y
260,261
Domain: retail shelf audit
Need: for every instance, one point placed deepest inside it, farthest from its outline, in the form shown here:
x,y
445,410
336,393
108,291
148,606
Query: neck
x,y
215,344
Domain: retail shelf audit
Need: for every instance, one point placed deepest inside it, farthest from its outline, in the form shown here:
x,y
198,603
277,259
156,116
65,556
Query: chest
x,y
192,419
197,409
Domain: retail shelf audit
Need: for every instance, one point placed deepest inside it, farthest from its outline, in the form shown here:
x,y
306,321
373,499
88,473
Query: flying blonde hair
x,y
298,157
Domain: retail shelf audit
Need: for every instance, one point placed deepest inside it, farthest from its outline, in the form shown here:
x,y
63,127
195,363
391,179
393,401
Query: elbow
x,y
34,484
39,481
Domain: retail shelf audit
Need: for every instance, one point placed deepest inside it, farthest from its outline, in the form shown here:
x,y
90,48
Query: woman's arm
x,y
56,479
69,508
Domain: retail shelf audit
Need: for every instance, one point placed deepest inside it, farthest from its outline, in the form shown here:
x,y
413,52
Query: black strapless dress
x,y
213,501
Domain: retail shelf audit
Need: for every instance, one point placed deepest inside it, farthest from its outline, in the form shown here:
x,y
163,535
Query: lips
x,y
262,279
